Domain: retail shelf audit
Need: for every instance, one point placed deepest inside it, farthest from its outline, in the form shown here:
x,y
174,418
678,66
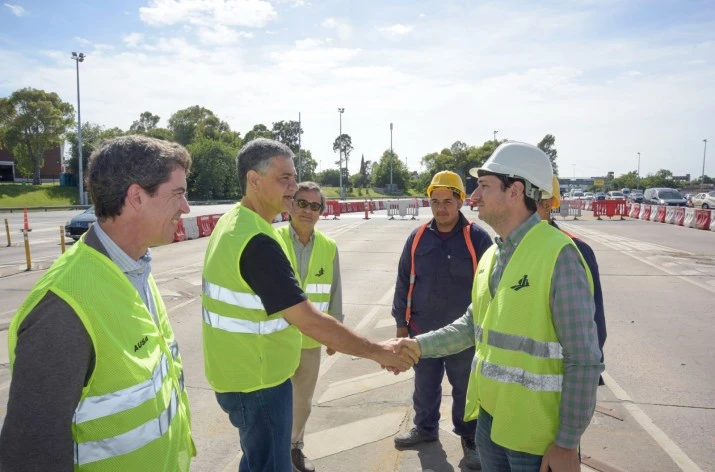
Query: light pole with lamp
x,y
79,58
340,138
392,159
495,138
702,177
638,173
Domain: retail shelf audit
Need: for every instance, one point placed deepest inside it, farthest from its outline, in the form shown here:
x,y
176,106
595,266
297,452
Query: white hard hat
x,y
522,161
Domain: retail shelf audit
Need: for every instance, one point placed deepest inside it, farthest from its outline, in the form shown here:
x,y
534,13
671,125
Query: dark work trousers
x,y
428,392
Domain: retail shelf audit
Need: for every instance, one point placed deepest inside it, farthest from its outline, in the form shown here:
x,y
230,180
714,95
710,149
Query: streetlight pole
x,y
300,161
638,173
495,138
340,140
79,58
702,178
392,158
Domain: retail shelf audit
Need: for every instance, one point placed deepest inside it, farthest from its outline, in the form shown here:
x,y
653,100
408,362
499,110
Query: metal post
x,y
79,58
392,158
300,160
62,238
7,231
495,138
638,173
340,150
702,178
27,249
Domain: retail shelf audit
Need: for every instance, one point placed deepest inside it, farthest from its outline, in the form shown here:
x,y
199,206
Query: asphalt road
x,y
657,411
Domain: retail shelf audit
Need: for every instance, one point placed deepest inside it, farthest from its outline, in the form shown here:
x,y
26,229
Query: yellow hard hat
x,y
556,192
447,179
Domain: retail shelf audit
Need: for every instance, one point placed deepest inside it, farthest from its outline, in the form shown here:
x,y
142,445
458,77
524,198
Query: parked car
x,y
588,195
79,225
615,195
576,195
663,196
636,196
704,200
626,191
600,196
688,199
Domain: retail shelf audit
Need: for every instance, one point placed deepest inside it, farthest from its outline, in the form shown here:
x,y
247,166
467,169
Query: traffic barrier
x,y
343,207
660,218
670,215
680,216
413,210
214,219
393,209
712,220
645,212
575,208
191,227
610,208
26,223
180,233
372,206
653,212
204,225
689,221
702,219
332,207
382,205
635,210
641,213
425,202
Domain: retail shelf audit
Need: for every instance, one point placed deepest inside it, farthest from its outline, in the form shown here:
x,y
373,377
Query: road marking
x,y
363,383
670,448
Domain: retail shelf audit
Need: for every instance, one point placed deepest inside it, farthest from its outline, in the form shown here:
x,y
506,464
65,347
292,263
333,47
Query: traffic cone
x,y
26,222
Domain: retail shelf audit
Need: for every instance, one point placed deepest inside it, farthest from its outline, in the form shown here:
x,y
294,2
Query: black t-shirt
x,y
266,269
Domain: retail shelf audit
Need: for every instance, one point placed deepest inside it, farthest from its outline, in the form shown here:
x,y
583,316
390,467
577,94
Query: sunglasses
x,y
313,206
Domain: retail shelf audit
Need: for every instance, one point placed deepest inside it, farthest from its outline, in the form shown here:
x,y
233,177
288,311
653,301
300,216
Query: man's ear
x,y
517,188
252,179
134,197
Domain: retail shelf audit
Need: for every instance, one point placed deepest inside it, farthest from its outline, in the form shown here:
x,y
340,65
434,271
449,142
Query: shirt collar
x,y
518,234
125,263
294,236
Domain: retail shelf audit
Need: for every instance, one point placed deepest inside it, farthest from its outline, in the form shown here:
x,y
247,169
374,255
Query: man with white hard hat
x,y
537,362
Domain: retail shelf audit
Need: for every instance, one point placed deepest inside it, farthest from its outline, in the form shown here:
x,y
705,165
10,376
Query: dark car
x,y
636,197
79,225
600,196
663,196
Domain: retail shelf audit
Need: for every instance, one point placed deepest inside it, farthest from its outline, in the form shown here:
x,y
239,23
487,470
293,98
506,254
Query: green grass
x,y
334,192
27,195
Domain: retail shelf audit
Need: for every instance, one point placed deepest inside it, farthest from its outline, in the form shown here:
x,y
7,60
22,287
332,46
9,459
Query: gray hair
x,y
256,155
120,162
311,187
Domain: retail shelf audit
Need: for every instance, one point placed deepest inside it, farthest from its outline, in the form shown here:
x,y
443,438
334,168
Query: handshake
x,y
398,354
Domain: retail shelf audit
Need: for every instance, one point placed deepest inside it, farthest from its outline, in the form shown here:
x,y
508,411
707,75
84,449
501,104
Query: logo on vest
x,y
523,283
320,272
141,343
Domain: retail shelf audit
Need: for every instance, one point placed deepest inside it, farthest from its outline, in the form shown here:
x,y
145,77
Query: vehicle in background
x,y
79,225
615,195
626,191
576,195
588,195
705,200
663,196
600,196
636,196
688,199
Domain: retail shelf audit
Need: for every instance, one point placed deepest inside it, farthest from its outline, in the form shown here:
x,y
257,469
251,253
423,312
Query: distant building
x,y
50,170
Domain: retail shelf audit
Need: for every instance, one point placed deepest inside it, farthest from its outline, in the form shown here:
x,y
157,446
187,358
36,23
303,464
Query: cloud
x,y
133,39
82,41
248,13
16,10
398,29
220,35
342,28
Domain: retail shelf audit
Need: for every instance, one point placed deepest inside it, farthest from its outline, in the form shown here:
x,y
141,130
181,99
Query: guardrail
x,y
48,208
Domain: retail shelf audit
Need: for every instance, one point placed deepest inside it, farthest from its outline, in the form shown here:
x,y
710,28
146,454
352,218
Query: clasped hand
x,y
400,354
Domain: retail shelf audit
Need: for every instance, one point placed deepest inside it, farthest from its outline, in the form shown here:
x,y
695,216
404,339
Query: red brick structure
x,y
50,170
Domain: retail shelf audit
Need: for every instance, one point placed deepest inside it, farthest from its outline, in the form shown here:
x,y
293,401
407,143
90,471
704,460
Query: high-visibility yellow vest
x,y
517,371
134,412
244,348
319,279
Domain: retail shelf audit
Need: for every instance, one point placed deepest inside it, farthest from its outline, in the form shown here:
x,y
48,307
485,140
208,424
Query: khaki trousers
x,y
304,381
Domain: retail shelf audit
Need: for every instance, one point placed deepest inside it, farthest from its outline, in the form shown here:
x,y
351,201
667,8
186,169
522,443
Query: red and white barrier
x,y
644,213
332,208
670,215
660,216
712,220
191,228
205,225
180,234
680,216
635,210
689,218
653,213
702,219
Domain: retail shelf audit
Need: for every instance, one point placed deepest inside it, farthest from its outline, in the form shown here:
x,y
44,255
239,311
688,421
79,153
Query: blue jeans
x,y
264,420
428,392
496,458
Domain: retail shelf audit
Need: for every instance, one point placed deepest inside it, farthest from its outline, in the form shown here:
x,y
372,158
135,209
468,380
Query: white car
x,y
704,200
615,195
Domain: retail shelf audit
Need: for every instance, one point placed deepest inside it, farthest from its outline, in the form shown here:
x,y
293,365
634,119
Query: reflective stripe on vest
x,y
225,295
515,375
318,288
153,429
235,325
512,342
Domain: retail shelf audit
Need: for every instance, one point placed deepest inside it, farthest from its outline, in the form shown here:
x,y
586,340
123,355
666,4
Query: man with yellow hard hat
x,y
434,284
544,209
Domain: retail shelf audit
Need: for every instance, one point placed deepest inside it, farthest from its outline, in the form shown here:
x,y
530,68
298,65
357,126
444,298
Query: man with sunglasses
x,y
314,258
434,285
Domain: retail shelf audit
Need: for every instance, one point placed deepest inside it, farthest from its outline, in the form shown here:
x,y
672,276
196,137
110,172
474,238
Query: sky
x,y
608,78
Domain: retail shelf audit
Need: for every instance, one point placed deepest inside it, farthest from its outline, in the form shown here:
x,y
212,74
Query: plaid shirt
x,y
572,308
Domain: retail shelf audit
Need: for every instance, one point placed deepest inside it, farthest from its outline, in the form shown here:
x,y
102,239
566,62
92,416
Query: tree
x,y
258,131
328,177
307,165
145,123
662,178
288,132
185,123
343,143
362,178
33,121
213,171
547,145
381,171
92,135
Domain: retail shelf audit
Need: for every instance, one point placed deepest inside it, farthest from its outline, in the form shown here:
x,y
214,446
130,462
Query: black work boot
x,y
471,454
300,462
414,437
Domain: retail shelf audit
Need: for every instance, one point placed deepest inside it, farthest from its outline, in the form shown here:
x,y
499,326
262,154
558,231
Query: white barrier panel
x,y
191,227
689,218
712,220
641,213
413,210
393,209
653,212
403,207
670,215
